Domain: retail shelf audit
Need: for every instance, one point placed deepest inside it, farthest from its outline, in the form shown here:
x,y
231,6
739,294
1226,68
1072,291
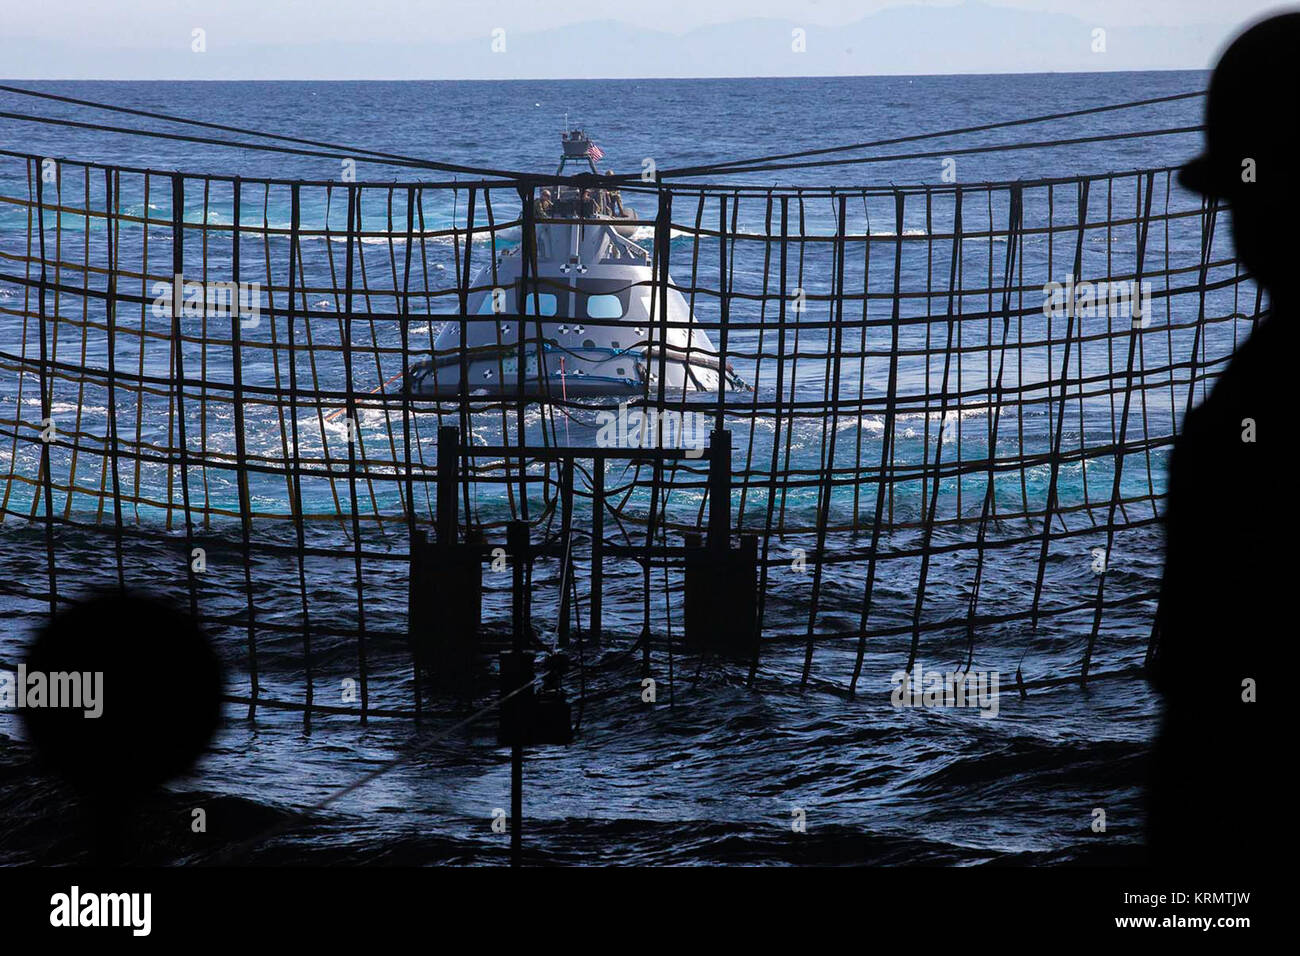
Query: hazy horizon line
x,y
609,79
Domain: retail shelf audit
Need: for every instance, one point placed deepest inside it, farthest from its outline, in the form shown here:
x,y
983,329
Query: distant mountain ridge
x,y
974,37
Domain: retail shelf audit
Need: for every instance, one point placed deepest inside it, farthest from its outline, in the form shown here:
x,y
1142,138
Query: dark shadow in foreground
x,y
1224,598
130,696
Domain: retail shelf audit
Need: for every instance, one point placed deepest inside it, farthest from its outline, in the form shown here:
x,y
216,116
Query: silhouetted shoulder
x,y
1227,475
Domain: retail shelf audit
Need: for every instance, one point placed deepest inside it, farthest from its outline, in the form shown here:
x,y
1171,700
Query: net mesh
x,y
952,436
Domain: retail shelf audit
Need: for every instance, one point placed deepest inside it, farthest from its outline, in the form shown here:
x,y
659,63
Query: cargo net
x,y
951,416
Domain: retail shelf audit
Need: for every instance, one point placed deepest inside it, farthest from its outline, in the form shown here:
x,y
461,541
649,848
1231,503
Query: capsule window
x,y
541,304
604,307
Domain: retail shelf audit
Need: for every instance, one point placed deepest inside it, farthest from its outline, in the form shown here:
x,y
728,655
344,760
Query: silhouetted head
x,y
1251,144
130,694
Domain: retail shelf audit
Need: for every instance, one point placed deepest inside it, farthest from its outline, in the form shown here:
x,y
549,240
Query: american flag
x,y
595,153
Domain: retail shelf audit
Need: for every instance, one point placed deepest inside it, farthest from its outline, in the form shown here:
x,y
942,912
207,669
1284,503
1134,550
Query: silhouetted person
x,y
131,696
1226,621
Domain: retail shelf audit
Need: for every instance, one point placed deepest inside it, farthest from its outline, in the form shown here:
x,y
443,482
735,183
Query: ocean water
x,y
715,771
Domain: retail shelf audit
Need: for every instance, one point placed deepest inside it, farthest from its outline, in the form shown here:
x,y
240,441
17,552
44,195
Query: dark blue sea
x,y
716,770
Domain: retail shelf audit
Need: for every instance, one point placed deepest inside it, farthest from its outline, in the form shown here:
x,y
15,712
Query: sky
x,y
431,39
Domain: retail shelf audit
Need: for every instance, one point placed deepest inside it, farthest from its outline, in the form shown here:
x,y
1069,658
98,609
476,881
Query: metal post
x,y
719,489
448,461
517,545
516,802
566,546
597,544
